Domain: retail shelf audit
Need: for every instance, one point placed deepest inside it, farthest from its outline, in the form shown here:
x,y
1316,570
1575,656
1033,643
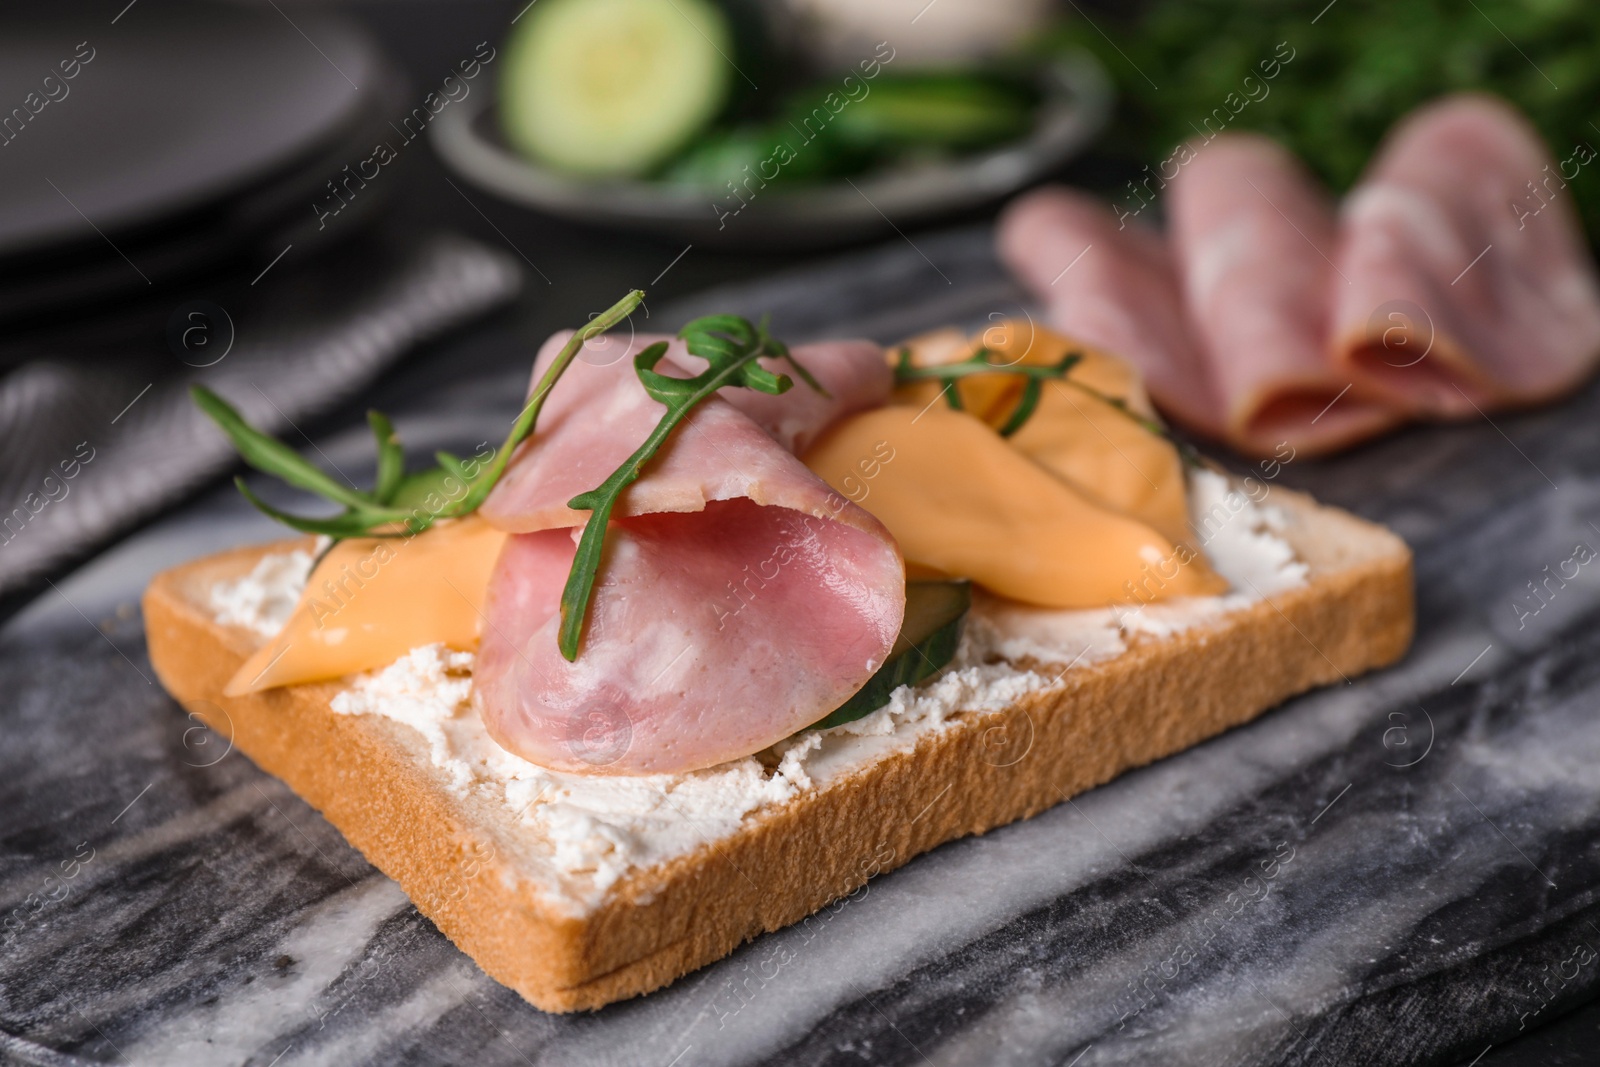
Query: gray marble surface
x,y
1398,870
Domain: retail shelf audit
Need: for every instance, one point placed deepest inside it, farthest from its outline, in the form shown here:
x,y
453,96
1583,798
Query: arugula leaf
x,y
391,457
338,527
1027,404
730,346
397,504
978,363
478,492
1032,390
270,455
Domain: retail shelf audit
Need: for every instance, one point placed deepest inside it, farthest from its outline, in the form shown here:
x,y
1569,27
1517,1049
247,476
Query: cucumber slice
x,y
614,87
935,614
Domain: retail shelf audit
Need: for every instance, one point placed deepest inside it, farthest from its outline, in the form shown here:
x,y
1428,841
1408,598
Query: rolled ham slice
x,y
1254,236
1470,282
1114,288
598,414
741,599
716,634
854,375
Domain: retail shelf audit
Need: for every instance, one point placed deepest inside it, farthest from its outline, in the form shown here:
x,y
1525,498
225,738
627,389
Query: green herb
x,y
1033,377
730,346
1033,385
931,111
936,612
397,505
818,132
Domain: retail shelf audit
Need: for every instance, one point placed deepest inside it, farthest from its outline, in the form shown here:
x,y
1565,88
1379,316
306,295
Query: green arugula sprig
x,y
731,347
395,507
1032,389
1033,377
398,503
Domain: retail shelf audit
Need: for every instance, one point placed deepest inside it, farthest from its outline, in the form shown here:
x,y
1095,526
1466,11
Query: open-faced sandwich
x,y
722,629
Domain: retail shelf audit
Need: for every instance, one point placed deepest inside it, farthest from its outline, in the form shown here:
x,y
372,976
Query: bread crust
x,y
367,775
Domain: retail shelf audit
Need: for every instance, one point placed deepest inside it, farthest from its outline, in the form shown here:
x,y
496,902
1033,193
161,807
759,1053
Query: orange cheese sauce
x,y
961,501
1082,507
371,600
1105,454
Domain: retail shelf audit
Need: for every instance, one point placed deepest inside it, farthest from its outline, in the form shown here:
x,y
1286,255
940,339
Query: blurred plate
x,y
1076,106
195,133
181,104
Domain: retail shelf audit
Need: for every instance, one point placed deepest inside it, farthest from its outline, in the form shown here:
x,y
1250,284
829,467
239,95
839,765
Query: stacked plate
x,y
153,144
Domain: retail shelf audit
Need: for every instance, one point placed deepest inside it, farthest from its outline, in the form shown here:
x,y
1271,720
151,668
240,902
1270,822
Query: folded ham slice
x,y
1253,234
740,600
1456,280
1470,285
1114,288
599,413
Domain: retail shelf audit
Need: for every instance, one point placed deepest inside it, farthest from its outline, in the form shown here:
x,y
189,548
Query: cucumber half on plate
x,y
935,614
614,87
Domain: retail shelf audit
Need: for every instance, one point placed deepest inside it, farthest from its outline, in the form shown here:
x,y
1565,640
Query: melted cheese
x,y
372,600
962,501
1104,453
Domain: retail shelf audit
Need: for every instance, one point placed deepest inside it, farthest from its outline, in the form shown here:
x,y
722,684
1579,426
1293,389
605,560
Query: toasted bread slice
x,y
463,858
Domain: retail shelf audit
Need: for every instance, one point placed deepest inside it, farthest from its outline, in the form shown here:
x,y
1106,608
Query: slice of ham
x,y
855,376
1111,287
715,634
1254,234
1462,298
740,599
598,414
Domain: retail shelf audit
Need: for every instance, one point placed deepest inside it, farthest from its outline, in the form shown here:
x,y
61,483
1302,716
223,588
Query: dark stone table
x,y
1420,845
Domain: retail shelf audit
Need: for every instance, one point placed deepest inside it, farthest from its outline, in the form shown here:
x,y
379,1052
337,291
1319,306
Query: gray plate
x,y
1077,104
181,104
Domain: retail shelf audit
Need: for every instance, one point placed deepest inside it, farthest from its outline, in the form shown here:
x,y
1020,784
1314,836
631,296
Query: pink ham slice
x,y
855,375
599,414
1459,300
716,634
1254,234
741,599
1112,288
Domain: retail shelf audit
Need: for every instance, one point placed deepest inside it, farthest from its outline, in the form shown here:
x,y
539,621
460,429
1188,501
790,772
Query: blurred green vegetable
x,y
951,112
835,130
1357,66
774,151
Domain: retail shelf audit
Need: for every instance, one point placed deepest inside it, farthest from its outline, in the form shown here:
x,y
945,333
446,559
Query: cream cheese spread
x,y
588,831
264,599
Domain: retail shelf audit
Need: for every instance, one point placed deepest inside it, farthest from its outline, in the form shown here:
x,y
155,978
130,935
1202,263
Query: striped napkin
x,y
85,455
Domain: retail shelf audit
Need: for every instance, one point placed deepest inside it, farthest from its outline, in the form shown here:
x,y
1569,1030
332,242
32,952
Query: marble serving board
x,y
1397,870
